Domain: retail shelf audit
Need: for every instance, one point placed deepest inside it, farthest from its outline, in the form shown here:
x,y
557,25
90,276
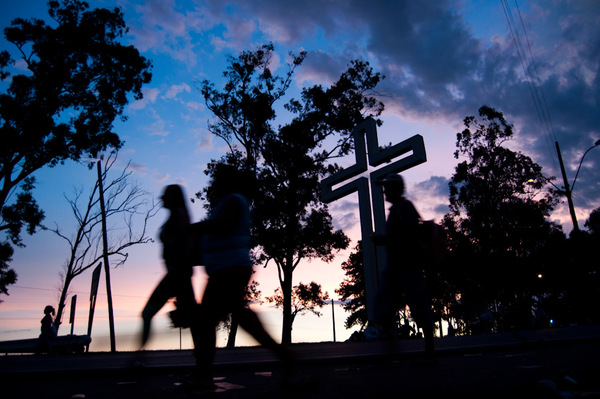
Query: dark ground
x,y
537,364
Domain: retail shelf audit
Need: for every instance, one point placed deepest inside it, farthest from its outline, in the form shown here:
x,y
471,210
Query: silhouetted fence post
x,y
93,295
333,318
72,315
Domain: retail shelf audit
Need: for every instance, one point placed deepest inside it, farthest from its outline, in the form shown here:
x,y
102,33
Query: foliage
x,y
24,211
244,108
291,223
306,298
582,282
496,189
352,290
7,275
593,222
78,81
123,198
497,222
330,114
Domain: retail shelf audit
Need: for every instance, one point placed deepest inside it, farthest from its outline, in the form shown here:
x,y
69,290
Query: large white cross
x,y
373,256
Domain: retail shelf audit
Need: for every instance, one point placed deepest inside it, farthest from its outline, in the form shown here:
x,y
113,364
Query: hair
x,y
175,194
401,185
176,198
393,180
49,309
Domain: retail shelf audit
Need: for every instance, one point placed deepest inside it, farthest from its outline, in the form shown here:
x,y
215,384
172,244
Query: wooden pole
x,y
111,319
567,191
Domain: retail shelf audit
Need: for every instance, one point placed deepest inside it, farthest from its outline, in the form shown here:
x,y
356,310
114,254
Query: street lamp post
x,y
597,143
569,191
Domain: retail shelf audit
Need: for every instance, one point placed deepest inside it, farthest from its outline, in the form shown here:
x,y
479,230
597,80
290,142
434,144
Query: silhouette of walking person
x,y
48,329
403,280
177,282
226,254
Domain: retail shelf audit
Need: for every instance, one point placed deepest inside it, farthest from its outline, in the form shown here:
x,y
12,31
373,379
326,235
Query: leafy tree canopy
x,y
306,298
78,81
498,224
288,161
593,222
352,290
496,195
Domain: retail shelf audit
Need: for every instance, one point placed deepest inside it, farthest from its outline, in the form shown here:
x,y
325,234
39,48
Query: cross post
x,y
370,195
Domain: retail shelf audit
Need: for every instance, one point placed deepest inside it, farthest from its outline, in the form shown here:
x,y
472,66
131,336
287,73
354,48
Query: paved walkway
x,y
538,363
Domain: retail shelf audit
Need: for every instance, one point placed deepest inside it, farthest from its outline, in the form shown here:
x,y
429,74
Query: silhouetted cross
x,y
372,256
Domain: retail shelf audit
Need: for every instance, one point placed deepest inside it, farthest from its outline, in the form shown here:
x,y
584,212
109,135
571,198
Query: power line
x,y
75,292
550,134
532,77
550,127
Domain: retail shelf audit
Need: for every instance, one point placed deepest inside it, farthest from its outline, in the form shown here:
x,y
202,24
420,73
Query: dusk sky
x,y
536,61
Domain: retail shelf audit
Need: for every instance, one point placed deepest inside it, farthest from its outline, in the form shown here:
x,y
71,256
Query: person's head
x,y
49,310
173,197
393,187
228,179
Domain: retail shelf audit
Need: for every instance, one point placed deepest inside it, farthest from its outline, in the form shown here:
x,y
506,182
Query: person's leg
x,y
211,310
157,300
420,308
250,321
428,334
387,303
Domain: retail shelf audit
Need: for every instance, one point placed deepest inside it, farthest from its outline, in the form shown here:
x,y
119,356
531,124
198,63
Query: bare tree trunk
x,y
62,302
128,200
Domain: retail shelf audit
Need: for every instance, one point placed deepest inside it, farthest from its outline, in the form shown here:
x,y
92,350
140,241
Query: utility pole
x,y
567,191
111,319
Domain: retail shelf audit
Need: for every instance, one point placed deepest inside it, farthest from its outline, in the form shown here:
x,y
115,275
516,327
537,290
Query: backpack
x,y
433,241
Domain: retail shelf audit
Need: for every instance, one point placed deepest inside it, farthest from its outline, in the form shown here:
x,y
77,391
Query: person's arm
x,y
401,225
203,227
230,212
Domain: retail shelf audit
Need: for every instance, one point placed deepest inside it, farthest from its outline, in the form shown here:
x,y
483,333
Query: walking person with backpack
x,y
403,281
226,254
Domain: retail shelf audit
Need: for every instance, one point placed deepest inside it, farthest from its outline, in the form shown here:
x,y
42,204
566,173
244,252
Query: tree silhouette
x,y
305,298
498,219
582,282
352,290
7,275
593,222
245,107
78,82
291,223
124,199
